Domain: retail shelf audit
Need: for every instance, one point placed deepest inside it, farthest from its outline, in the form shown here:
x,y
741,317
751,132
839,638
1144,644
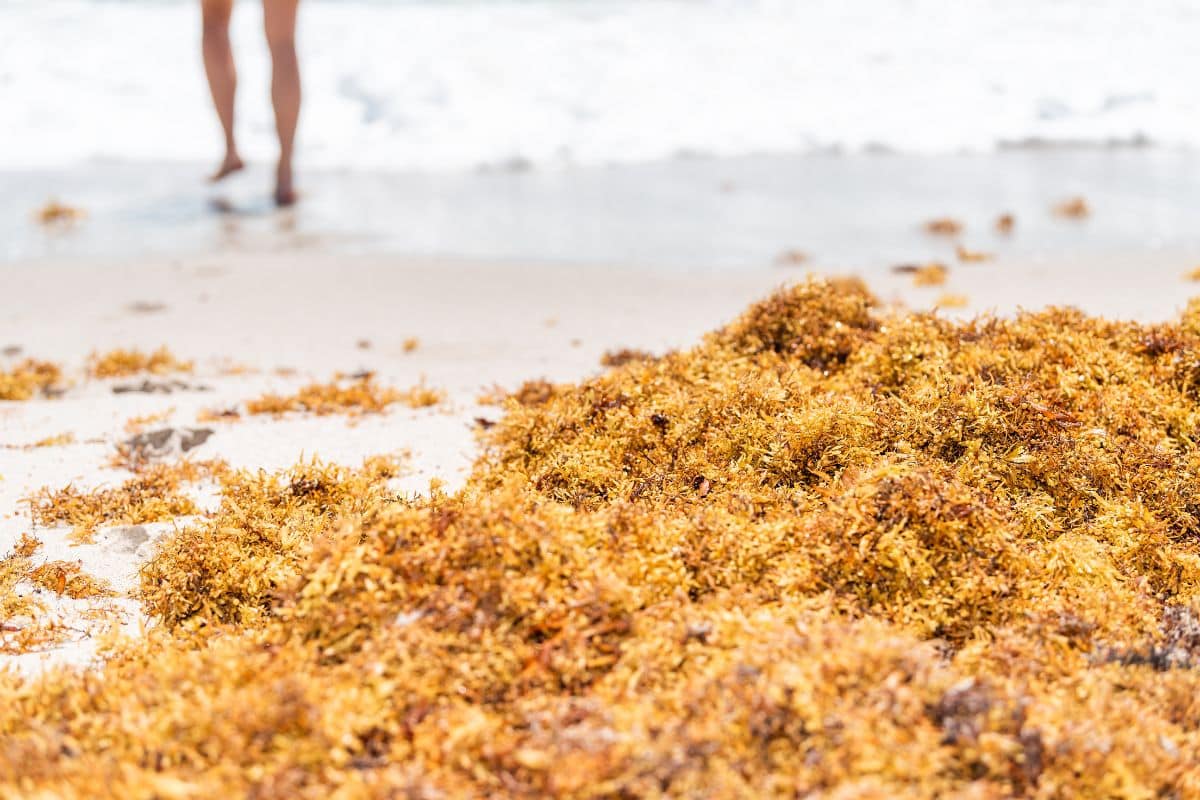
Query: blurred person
x,y
279,20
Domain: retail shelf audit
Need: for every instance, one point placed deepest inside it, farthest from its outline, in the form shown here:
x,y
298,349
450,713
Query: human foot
x,y
230,165
285,197
285,194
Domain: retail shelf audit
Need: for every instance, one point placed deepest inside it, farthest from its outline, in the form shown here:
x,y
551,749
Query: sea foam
x,y
465,84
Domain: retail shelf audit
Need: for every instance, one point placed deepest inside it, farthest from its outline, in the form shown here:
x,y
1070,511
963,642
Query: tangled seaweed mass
x,y
829,551
28,379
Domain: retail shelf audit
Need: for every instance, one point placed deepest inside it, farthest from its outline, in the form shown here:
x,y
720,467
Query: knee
x,y
283,48
215,31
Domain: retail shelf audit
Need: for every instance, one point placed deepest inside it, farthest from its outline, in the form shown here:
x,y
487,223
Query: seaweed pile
x,y
153,494
125,363
830,551
354,395
28,379
31,378
26,623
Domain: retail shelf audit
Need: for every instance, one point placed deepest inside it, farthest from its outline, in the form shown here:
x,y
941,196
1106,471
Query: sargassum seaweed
x,y
829,551
359,394
124,363
28,379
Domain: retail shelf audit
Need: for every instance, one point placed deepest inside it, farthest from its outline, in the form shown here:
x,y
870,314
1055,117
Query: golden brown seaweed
x,y
828,552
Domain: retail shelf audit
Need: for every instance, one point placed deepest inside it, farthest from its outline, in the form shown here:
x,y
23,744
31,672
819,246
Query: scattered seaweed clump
x,y
25,622
26,546
229,567
57,440
229,414
943,226
830,551
1006,223
1073,208
358,394
530,393
68,578
58,214
953,300
623,356
808,323
29,378
967,256
154,494
126,363
139,423
14,568
932,274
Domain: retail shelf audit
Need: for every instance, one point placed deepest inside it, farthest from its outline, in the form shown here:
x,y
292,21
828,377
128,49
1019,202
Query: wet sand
x,y
859,212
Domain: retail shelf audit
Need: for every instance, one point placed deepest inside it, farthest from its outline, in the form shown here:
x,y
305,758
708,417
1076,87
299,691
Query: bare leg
x,y
222,76
279,17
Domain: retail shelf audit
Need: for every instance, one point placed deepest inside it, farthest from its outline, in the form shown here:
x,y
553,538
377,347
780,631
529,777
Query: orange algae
x,y
255,543
29,378
58,213
139,423
124,363
14,568
829,551
218,415
532,393
57,440
357,395
68,578
24,624
971,256
933,274
26,546
943,226
619,358
31,633
152,495
1073,208
539,390
953,300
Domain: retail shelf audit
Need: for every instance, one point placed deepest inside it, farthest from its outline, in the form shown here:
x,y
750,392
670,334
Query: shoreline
x,y
679,215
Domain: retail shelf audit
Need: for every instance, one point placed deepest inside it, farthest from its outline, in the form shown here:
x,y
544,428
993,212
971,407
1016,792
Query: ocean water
x,y
451,85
